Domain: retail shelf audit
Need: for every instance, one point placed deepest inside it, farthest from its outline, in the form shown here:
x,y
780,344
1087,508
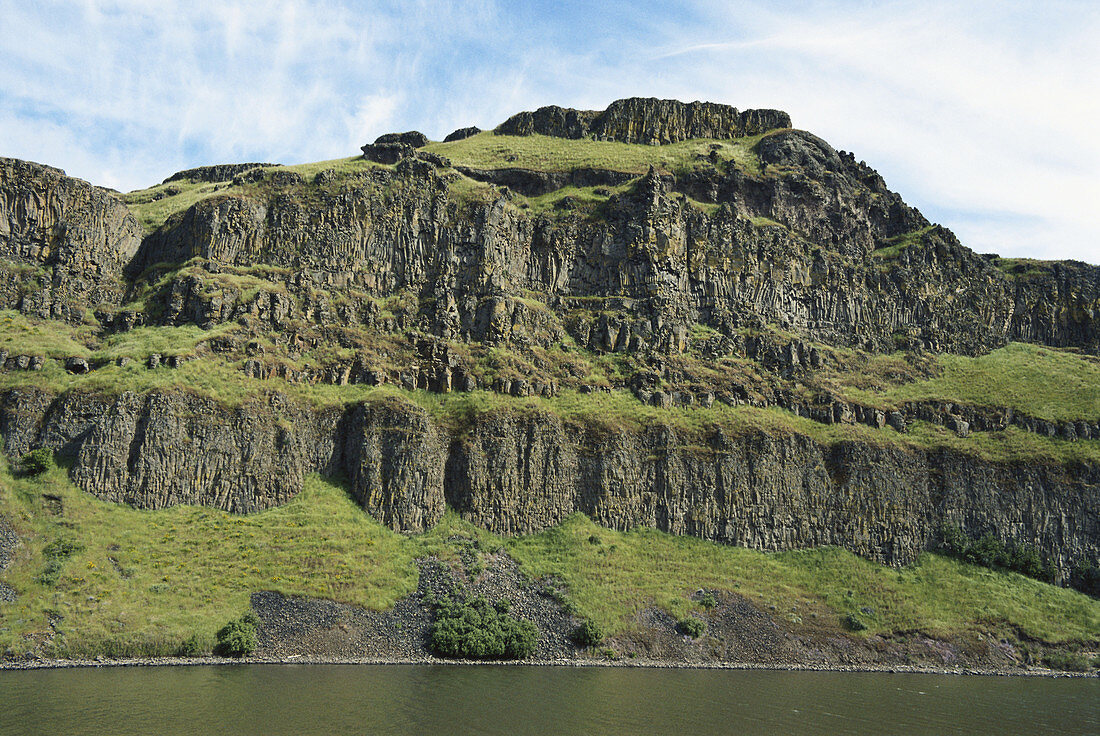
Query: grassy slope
x,y
155,204
215,377
1043,382
489,151
187,570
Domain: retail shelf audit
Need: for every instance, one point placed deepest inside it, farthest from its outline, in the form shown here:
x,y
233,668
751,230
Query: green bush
x,y
588,634
853,622
237,638
470,628
191,647
693,627
36,462
1086,578
707,600
1067,661
989,551
56,554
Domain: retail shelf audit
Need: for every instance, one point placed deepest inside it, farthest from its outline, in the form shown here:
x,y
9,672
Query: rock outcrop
x,y
646,120
215,173
65,242
522,471
419,274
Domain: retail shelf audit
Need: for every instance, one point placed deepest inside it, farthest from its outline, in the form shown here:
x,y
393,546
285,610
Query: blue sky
x,y
982,114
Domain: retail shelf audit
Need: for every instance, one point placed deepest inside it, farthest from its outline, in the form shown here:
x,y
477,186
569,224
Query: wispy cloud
x,y
981,115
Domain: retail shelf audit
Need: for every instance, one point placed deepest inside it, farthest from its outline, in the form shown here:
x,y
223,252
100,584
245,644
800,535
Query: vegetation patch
x,y
487,150
989,551
36,462
126,582
468,627
237,638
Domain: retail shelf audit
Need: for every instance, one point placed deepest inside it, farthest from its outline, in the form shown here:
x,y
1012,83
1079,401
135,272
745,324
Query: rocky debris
x,y
9,542
738,631
462,134
216,173
646,120
300,626
523,470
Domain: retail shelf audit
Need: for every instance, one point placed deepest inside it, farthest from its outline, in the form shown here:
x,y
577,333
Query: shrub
x,y
1086,578
1067,661
853,622
469,628
707,600
57,553
588,634
991,552
237,638
693,627
192,646
36,462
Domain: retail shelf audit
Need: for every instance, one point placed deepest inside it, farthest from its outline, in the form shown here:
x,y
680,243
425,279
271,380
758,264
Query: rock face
x,y
522,471
646,120
406,268
66,240
215,173
462,134
839,258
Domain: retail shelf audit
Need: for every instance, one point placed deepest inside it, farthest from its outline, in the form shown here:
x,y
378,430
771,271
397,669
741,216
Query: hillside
x,y
665,317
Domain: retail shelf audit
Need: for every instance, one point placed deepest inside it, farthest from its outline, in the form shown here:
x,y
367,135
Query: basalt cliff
x,y
682,316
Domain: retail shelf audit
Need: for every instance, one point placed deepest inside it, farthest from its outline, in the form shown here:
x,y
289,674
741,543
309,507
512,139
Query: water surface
x,y
395,699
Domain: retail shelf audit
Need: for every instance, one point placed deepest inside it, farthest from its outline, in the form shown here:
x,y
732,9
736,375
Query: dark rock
x,y
216,173
77,365
284,178
896,420
250,176
646,120
387,153
462,134
413,139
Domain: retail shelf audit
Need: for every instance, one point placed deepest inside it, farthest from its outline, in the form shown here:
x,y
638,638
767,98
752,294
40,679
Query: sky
x,y
984,115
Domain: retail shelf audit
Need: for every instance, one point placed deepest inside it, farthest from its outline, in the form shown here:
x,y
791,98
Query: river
x,y
423,699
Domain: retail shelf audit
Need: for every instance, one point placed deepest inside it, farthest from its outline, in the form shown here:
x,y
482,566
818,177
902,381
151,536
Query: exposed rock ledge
x,y
646,120
520,471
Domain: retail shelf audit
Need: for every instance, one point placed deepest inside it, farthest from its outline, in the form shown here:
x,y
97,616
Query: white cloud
x,y
981,115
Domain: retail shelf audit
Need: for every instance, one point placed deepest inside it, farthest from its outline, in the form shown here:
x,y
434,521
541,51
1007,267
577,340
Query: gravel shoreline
x,y
427,660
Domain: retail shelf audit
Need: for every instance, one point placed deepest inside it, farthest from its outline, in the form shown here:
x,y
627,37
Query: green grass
x,y
187,570
893,247
489,151
1044,382
611,581
155,204
23,335
142,582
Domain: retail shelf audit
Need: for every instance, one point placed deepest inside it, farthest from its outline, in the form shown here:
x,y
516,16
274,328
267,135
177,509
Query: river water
x,y
398,699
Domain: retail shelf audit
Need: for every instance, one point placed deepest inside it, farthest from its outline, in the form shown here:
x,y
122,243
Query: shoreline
x,y
636,663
